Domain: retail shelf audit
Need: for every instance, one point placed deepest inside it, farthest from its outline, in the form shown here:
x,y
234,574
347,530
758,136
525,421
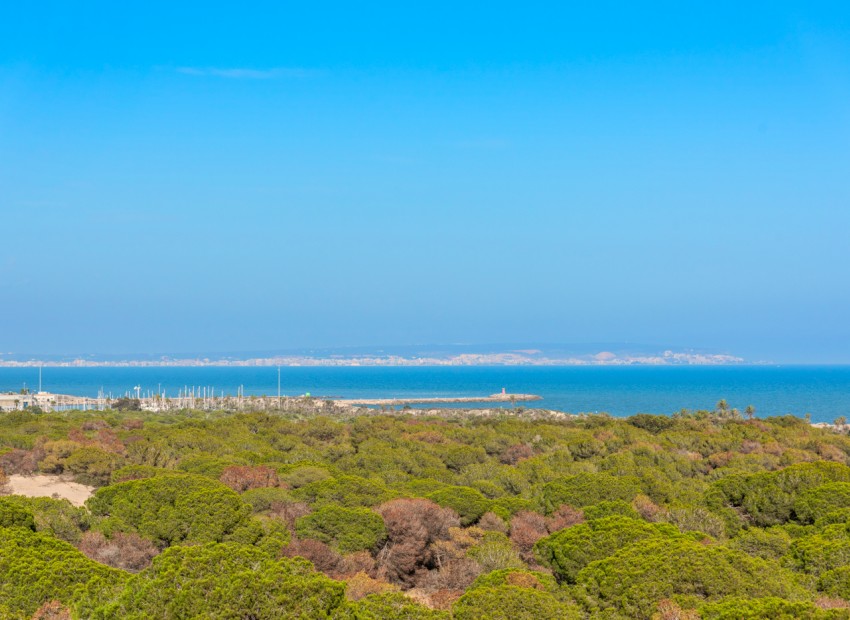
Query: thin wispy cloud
x,y
242,73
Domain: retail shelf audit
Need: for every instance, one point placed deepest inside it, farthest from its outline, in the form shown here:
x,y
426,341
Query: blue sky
x,y
211,177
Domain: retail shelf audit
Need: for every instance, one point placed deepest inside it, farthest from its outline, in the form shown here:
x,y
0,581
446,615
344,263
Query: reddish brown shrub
x,y
321,555
21,461
412,526
109,441
526,529
76,434
720,459
604,436
491,522
565,516
831,453
95,425
133,425
748,446
52,610
514,454
129,552
289,512
773,447
244,477
646,508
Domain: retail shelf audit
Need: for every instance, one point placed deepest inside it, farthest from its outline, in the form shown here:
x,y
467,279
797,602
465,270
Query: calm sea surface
x,y
823,391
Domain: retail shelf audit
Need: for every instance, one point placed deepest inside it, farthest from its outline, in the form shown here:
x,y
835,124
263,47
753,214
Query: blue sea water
x,y
823,391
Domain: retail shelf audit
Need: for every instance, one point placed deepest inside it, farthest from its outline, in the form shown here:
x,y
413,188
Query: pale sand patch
x,y
49,486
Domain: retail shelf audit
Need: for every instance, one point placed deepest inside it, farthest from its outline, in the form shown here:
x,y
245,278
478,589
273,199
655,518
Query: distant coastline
x,y
509,358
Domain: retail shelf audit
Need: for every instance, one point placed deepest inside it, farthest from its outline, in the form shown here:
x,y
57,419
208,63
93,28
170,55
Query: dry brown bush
x,y
244,477
565,516
19,461
514,454
831,453
491,522
321,555
720,459
442,599
455,548
289,512
128,552
77,435
355,563
456,574
109,441
95,425
748,446
526,529
444,551
773,447
604,436
464,538
133,425
361,585
646,508
413,525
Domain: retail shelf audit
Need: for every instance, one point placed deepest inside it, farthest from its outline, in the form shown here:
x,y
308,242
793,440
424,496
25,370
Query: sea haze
x,y
823,391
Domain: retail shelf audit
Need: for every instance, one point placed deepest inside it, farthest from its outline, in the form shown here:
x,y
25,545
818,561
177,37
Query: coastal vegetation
x,y
260,515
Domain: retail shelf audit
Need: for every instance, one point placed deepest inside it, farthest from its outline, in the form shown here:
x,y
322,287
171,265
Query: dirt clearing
x,y
49,486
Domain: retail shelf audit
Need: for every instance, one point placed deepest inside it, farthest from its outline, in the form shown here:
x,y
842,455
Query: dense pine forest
x,y
303,515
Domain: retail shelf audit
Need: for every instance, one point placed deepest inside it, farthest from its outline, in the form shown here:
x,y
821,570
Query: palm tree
x,y
721,410
750,412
